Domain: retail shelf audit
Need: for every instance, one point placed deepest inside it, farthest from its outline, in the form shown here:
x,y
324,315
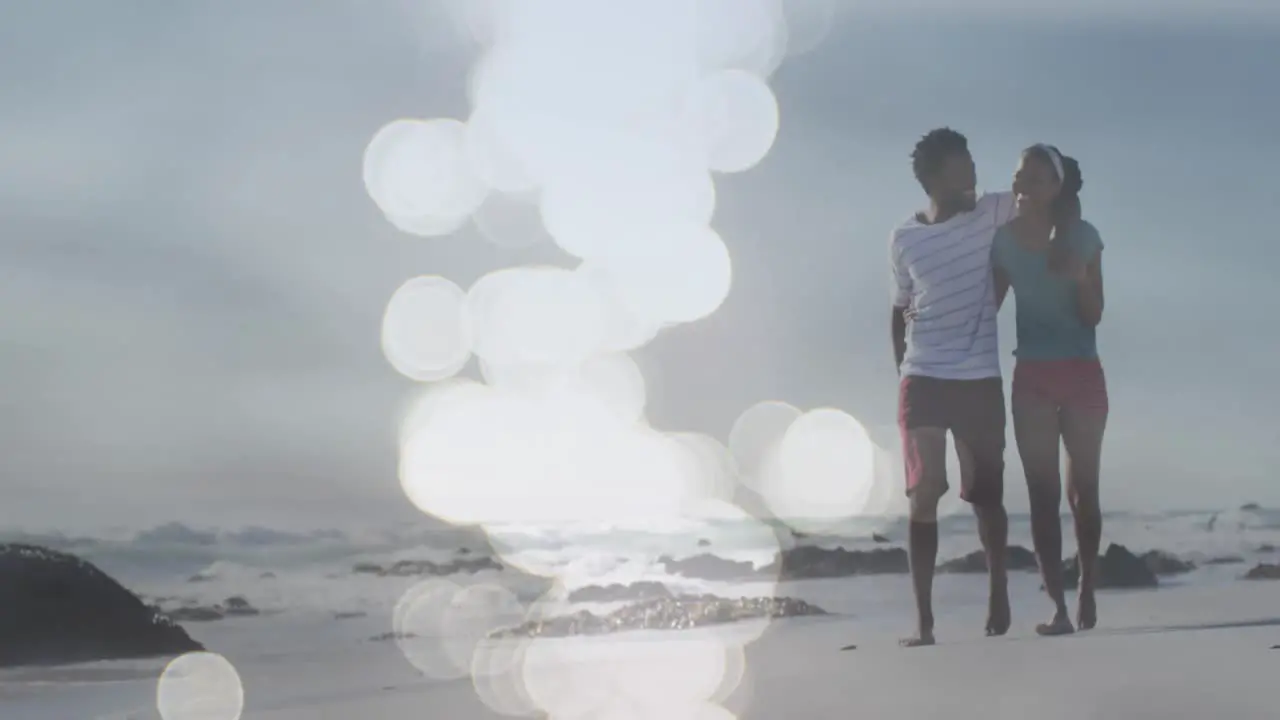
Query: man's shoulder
x,y
911,227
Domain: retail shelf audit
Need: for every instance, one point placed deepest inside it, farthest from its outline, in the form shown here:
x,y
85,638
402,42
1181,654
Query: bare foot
x,y
1059,625
921,640
1087,611
999,617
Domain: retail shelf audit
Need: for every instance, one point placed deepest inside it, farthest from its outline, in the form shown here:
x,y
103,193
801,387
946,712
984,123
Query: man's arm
x,y
898,331
902,291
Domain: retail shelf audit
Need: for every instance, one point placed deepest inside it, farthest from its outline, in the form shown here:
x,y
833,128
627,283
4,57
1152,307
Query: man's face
x,y
955,186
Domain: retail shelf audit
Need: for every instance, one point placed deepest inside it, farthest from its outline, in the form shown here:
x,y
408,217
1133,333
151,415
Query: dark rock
x,y
1225,560
704,543
1250,507
195,614
708,567
1016,558
199,578
384,637
672,613
878,538
415,568
238,607
808,562
267,576
643,590
1117,568
351,615
1163,563
59,609
1263,571
464,551
1266,548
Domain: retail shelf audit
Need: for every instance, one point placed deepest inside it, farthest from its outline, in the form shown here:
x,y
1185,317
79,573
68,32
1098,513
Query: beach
x,y
1197,646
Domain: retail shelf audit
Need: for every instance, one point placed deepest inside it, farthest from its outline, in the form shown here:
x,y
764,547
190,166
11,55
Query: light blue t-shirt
x,y
1049,327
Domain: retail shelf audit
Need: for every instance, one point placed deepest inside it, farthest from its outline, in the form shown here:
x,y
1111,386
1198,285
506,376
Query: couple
x,y
952,267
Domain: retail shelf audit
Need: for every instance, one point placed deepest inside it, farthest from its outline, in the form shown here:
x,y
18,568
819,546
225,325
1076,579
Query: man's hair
x,y
932,151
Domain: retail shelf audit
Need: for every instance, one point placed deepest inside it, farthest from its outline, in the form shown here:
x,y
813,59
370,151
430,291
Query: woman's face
x,y
1035,184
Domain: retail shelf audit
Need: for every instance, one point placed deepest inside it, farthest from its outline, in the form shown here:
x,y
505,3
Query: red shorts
x,y
1073,384
973,410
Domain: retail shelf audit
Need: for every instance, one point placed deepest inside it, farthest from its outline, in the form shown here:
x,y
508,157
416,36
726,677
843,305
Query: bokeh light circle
x,y
426,330
200,686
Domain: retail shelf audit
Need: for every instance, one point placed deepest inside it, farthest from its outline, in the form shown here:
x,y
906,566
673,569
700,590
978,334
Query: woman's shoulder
x,y
1085,234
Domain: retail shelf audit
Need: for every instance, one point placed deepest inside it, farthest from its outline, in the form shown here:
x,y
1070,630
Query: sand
x,y
1181,651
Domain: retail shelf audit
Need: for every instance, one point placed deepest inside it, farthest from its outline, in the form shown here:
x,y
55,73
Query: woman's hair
x,y
1065,210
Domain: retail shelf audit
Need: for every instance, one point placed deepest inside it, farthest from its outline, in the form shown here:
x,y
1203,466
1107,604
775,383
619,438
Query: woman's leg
x,y
1082,431
1035,424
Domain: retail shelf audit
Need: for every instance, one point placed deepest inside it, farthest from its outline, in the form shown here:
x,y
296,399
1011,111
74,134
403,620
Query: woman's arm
x,y
1089,295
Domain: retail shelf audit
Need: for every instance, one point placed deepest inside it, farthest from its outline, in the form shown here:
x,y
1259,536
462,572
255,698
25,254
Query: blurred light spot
x,y
755,433
824,473
200,686
418,623
671,274
734,116
471,615
419,169
717,464
497,672
511,221
808,24
426,331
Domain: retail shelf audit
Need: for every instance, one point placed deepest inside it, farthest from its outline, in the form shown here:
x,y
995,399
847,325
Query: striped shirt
x,y
943,271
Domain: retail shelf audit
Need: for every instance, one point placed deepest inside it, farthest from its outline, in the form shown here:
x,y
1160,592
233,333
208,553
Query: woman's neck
x,y
1033,229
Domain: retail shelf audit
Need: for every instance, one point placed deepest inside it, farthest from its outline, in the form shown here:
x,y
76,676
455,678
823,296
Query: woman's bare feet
x,y
923,637
920,640
1059,625
999,616
1087,610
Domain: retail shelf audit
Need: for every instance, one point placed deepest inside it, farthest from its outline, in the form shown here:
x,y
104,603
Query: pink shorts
x,y
1071,383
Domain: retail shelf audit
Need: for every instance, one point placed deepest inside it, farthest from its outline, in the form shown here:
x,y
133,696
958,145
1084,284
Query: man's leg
x,y
980,447
928,448
924,448
1035,425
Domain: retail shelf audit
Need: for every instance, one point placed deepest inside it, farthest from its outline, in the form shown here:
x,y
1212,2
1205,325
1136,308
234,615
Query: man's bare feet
x,y
921,640
1059,625
1087,611
999,617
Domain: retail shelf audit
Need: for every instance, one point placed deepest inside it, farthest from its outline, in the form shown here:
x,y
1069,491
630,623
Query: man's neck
x,y
936,214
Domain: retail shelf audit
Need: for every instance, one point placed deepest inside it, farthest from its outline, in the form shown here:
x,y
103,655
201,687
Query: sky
x,y
193,278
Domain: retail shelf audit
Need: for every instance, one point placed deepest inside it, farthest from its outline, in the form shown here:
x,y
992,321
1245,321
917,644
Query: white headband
x,y
1055,158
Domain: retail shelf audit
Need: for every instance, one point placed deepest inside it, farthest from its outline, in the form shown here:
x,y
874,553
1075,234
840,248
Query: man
x,y
944,342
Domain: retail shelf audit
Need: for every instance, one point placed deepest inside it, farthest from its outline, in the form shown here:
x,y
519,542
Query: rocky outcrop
x,y
673,613
1162,563
1225,560
1017,558
643,590
1117,568
808,562
231,607
708,567
416,568
59,609
1263,571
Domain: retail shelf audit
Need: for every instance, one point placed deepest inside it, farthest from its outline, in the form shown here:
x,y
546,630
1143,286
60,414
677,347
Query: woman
x,y
1052,259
